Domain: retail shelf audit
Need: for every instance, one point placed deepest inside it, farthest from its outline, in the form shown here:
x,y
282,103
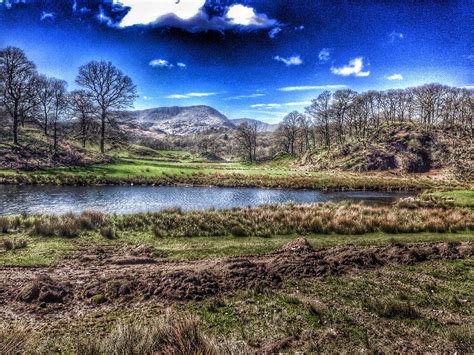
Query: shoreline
x,y
325,184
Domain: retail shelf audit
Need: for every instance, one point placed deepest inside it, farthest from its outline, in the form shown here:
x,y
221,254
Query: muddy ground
x,y
90,279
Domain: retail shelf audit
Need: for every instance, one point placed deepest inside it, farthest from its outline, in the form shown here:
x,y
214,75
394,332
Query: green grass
x,y
462,198
425,306
45,251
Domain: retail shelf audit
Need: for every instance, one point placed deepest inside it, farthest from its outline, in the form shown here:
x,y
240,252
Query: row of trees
x,y
333,118
26,96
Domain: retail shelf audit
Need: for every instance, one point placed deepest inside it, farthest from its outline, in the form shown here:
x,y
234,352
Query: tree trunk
x,y
15,128
102,133
55,127
84,131
45,122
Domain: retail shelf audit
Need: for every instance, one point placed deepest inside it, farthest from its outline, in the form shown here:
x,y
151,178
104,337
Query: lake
x,y
137,199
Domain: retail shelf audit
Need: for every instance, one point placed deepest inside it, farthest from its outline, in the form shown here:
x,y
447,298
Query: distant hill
x,y
263,126
178,121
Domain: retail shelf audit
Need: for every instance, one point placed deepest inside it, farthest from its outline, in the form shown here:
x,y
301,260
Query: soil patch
x,y
106,277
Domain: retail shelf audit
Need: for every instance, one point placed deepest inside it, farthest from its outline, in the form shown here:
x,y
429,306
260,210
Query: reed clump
x,y
263,221
69,225
350,219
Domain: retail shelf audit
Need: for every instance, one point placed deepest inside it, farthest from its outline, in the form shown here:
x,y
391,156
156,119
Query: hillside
x,y
404,147
263,126
180,121
35,152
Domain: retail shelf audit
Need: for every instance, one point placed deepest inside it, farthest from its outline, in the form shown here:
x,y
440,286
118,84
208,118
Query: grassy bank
x,y
171,168
462,198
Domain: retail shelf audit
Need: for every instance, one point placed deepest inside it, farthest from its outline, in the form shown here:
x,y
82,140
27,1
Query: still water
x,y
136,199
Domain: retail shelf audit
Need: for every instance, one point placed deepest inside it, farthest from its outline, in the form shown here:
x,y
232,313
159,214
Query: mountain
x,y
263,126
176,120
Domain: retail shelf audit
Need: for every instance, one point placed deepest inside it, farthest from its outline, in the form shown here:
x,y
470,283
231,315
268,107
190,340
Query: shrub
x,y
8,244
108,232
90,220
4,224
65,226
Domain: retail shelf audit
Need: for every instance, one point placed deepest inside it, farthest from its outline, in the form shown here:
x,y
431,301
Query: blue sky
x,y
258,59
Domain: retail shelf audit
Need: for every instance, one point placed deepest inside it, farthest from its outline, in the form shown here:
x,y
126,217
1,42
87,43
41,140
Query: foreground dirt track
x,y
135,274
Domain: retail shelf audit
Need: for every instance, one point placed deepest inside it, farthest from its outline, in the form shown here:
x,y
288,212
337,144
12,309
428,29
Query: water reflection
x,y
136,199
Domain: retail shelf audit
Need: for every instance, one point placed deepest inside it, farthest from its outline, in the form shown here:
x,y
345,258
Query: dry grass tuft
x,y
171,334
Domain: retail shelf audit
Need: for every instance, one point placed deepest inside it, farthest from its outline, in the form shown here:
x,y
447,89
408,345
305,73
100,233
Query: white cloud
x,y
191,95
191,15
299,103
239,97
395,77
354,68
324,55
293,60
181,65
47,16
246,16
161,63
266,105
177,96
287,104
146,12
274,32
395,35
468,87
309,88
201,94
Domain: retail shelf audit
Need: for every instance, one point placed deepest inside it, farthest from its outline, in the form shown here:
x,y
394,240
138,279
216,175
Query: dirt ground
x,y
90,279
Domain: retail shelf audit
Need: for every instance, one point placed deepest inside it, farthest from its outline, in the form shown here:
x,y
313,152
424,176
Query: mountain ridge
x,y
184,120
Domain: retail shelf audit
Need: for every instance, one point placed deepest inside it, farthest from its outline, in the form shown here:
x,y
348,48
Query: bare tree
x,y
59,107
246,137
16,79
45,97
288,131
109,89
319,111
83,109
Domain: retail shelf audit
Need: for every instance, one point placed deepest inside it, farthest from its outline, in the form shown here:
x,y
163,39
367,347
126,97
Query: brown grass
x,y
264,221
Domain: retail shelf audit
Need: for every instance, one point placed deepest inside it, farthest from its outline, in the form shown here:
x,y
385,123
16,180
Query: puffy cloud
x,y
354,68
191,15
246,16
274,32
161,63
147,12
191,95
293,60
324,55
310,88
395,77
181,65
